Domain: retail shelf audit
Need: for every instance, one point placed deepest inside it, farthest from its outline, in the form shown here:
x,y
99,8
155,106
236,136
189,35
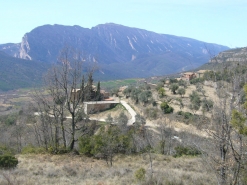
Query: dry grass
x,y
68,169
209,93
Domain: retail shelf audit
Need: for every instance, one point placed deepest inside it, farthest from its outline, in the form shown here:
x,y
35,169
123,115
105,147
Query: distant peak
x,y
111,24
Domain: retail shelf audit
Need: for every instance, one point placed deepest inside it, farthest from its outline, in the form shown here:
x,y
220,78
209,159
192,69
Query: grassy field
x,y
79,170
118,83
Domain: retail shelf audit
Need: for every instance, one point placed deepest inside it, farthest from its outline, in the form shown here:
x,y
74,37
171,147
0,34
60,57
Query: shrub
x,y
9,119
182,150
32,150
154,103
106,142
186,115
140,174
53,150
5,150
196,80
85,145
151,113
8,161
181,91
173,87
159,85
161,92
166,108
207,105
195,101
173,80
182,83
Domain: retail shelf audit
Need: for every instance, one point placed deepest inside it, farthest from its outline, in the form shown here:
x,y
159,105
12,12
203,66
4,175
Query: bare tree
x,y
63,95
229,122
69,78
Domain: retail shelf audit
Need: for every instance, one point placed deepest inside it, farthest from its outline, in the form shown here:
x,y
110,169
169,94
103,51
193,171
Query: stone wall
x,y
98,106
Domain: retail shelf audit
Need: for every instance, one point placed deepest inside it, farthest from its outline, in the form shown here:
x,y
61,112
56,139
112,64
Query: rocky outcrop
x,y
11,49
24,49
233,55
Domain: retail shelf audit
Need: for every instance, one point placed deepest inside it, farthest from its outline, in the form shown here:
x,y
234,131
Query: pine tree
x,y
98,95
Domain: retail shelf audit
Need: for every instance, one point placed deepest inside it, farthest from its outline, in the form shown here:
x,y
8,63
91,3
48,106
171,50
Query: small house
x,y
75,94
188,76
200,73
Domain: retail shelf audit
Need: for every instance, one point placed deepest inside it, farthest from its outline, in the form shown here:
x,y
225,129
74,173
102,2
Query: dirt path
x,y
131,112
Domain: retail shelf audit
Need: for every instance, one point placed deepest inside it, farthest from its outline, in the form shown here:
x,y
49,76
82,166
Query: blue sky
x,y
215,21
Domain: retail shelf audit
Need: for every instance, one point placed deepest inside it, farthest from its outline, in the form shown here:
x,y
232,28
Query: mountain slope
x,y
19,73
232,55
227,58
119,51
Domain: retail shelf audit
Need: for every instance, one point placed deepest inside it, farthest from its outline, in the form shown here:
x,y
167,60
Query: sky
x,y
215,21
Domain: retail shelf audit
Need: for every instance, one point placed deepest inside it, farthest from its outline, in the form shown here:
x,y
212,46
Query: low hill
x,y
19,73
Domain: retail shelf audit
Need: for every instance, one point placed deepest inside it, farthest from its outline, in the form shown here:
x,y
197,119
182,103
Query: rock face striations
x,y
233,55
119,51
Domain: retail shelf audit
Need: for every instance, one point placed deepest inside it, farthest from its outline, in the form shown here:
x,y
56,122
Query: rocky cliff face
x,y
233,55
120,51
24,49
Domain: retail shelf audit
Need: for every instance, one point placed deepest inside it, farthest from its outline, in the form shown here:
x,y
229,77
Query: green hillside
x,y
18,73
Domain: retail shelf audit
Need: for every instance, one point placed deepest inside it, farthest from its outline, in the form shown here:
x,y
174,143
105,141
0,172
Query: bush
x,y
85,145
151,113
154,103
166,108
182,150
173,80
140,174
196,80
161,92
33,150
9,119
53,150
181,91
207,105
173,87
182,83
107,142
8,161
5,150
186,115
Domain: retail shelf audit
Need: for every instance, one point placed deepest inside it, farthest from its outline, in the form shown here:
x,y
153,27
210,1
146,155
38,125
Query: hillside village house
x,y
75,94
105,94
94,106
188,76
200,73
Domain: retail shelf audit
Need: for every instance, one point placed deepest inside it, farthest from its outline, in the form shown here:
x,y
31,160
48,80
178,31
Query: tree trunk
x,y
72,143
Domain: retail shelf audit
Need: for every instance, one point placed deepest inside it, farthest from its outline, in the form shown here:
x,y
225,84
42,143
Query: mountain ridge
x,y
142,53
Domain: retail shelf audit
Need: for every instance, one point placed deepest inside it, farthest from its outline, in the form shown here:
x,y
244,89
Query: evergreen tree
x,y
98,95
89,87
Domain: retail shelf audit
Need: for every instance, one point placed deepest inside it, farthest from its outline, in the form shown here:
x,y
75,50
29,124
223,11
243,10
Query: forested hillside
x,y
19,73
